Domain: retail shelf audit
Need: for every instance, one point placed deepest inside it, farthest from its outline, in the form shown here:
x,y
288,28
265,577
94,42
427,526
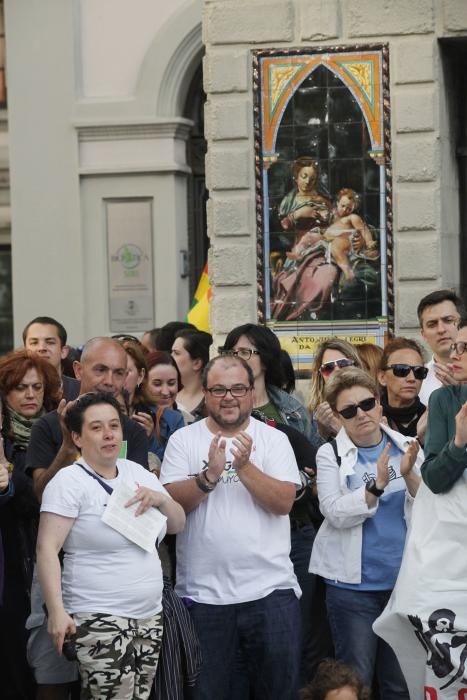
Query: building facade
x,y
106,151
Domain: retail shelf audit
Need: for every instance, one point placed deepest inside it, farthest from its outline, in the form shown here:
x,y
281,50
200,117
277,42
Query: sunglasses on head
x,y
401,370
329,367
351,411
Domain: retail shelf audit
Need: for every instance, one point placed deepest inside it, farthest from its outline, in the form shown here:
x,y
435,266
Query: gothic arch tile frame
x,y
323,179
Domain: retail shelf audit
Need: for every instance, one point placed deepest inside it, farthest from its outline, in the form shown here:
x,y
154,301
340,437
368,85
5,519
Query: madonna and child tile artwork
x,y
323,177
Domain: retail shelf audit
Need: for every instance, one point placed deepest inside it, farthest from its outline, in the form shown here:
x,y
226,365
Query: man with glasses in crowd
x,y
439,314
236,478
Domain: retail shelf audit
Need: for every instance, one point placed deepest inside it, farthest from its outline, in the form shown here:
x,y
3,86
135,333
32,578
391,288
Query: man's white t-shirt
x,y
103,571
232,550
430,383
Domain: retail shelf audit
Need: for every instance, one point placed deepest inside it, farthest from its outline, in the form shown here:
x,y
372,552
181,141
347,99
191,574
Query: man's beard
x,y
230,423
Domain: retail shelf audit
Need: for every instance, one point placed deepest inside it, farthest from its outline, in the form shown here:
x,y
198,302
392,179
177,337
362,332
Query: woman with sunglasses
x,y
331,356
367,477
401,375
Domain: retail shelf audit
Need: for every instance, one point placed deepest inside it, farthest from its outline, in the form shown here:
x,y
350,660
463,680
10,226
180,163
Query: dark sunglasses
x,y
351,411
329,367
400,370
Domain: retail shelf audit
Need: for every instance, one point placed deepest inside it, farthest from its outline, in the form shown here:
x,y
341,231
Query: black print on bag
x,y
438,640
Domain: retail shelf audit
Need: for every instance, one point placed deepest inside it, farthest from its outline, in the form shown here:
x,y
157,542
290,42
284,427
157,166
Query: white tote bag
x,y
425,621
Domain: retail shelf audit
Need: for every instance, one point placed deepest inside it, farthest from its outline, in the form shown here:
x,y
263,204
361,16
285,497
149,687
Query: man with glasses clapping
x,y
236,478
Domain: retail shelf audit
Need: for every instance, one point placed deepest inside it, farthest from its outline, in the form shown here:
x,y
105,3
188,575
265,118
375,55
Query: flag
x,y
198,314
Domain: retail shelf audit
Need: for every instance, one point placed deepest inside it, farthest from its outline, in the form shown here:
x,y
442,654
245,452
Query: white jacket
x,y
337,549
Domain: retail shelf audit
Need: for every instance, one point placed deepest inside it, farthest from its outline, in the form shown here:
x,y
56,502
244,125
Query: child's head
x,y
347,201
335,681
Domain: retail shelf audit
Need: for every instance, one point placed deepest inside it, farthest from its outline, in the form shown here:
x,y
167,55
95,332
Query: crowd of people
x,y
181,523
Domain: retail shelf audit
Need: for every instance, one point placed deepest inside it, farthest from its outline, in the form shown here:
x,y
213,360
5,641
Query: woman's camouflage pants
x,y
117,655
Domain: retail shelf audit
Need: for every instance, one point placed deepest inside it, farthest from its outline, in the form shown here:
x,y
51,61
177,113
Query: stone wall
x,y
424,170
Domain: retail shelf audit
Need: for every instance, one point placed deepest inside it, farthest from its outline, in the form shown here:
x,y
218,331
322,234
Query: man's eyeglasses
x,y
351,411
459,348
401,370
237,391
243,353
329,367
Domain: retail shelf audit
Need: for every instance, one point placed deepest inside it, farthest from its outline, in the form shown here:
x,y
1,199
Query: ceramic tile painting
x,y
323,177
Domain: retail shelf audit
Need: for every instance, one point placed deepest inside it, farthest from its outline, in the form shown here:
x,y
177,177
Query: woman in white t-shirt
x,y
108,604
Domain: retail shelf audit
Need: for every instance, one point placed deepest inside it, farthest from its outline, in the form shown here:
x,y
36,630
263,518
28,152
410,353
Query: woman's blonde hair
x,y
317,381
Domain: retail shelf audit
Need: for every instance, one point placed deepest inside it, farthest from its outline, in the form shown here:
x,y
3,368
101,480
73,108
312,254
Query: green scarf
x,y
21,427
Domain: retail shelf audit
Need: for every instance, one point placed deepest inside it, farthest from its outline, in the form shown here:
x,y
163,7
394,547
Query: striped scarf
x,y
21,427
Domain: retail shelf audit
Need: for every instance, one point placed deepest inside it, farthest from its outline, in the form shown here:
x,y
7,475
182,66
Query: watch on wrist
x,y
372,488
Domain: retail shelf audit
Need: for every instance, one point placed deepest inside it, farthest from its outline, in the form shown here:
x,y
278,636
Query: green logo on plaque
x,y
129,256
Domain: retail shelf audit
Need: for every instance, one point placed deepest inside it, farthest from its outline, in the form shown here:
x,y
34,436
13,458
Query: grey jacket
x,y
293,413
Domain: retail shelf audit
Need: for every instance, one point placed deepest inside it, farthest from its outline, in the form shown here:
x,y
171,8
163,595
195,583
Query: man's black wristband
x,y
203,485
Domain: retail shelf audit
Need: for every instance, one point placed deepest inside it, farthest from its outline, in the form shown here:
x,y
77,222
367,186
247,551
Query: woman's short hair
x,y
14,366
317,382
332,675
197,344
347,379
267,344
400,343
74,417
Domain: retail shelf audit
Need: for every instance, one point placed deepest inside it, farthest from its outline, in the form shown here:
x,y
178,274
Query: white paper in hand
x,y
143,530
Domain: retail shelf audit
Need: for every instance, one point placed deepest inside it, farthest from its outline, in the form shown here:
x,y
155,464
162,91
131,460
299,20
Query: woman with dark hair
x,y
29,387
109,595
401,375
191,354
157,400
260,348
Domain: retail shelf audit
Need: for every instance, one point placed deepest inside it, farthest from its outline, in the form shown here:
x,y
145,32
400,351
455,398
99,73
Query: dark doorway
x,y
454,55
198,242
